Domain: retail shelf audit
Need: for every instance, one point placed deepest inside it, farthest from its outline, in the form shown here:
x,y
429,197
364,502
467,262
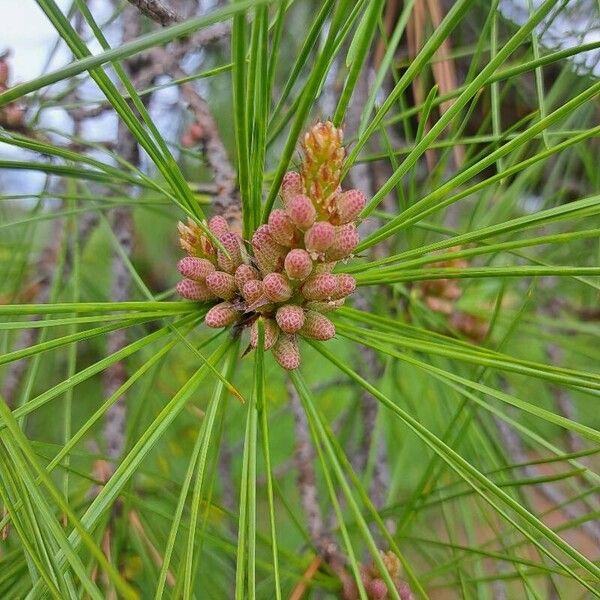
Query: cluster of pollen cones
x,y
284,275
374,583
442,296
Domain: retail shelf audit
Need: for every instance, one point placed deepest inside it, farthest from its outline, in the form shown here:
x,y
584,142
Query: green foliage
x,y
486,397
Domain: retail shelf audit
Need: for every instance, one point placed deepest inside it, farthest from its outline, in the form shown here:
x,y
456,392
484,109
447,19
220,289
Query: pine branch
x,y
45,271
370,367
157,11
227,199
122,223
42,284
304,459
304,456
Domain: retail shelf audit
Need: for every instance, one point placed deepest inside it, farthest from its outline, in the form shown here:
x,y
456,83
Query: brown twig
x,y
304,456
122,223
301,587
390,16
157,11
39,290
444,70
45,272
364,178
137,525
143,71
227,200
81,114
160,61
116,374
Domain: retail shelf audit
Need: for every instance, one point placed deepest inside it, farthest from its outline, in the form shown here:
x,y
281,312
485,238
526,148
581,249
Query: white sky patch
x,y
30,37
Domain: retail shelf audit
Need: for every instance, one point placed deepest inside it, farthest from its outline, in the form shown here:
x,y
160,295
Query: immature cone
x,y
298,264
345,241
291,185
392,563
344,286
442,295
271,333
187,141
286,351
281,228
218,226
189,234
196,130
301,212
277,287
285,277
319,237
222,285
377,589
320,287
12,115
404,591
469,325
194,241
193,135
221,315
194,290
196,268
268,253
243,274
232,243
317,326
290,318
253,291
445,288
375,584
347,207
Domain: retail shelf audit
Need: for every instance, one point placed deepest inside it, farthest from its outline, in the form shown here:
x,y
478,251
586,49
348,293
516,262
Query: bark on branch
x,y
227,200
157,11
